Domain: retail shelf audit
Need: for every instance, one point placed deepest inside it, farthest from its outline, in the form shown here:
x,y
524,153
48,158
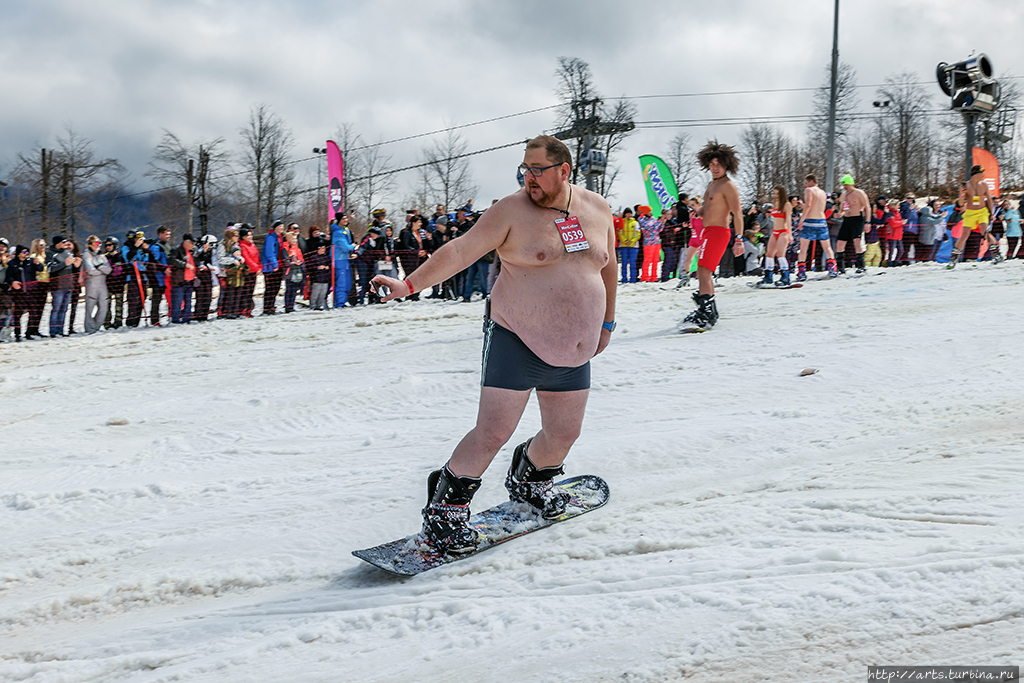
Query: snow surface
x,y
181,504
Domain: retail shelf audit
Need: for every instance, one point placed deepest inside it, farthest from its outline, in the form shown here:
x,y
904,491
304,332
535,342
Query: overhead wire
x,y
680,123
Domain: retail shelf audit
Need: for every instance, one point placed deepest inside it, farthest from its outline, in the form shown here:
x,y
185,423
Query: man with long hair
x,y
721,198
552,309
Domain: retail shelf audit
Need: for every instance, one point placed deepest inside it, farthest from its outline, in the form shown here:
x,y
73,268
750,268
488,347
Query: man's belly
x,y
558,315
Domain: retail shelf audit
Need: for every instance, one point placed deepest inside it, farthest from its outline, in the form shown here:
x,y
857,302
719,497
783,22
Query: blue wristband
x,y
609,326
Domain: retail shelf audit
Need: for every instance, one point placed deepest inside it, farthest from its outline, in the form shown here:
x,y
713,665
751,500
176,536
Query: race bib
x,y
846,206
572,234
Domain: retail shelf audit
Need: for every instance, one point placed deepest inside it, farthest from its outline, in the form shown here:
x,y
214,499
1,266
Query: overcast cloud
x,y
120,72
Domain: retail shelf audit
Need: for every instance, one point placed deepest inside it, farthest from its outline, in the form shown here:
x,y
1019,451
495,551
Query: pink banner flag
x,y
335,179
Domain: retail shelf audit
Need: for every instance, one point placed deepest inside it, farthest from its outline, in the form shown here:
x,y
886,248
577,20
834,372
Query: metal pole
x,y
830,160
587,141
969,119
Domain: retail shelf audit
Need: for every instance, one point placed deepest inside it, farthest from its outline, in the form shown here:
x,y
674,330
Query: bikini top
x,y
778,214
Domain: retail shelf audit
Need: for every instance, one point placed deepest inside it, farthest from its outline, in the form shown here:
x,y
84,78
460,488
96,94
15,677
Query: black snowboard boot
x,y
446,516
528,484
706,314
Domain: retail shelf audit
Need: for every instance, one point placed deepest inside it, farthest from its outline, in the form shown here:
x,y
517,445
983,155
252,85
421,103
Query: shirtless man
x,y
721,198
813,228
978,208
855,210
551,310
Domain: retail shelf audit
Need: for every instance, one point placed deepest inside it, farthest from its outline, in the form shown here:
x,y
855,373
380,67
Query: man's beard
x,y
545,201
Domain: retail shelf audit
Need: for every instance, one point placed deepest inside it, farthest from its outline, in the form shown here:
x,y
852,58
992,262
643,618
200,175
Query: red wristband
x,y
409,285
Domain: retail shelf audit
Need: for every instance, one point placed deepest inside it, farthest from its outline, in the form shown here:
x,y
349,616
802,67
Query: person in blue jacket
x,y
157,272
273,271
135,256
341,250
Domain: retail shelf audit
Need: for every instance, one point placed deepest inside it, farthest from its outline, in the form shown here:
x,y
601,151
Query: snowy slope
x,y
180,504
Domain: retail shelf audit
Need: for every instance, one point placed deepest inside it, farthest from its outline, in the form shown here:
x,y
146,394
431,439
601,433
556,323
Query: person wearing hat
x,y
21,274
341,247
415,242
366,255
650,231
62,264
136,257
273,271
978,205
629,239
183,278
115,283
855,210
318,268
207,266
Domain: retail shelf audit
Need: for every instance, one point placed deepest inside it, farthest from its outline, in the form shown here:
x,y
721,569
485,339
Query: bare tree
x,y
905,131
846,105
193,172
447,175
267,161
34,172
80,177
681,161
624,111
757,142
377,179
769,158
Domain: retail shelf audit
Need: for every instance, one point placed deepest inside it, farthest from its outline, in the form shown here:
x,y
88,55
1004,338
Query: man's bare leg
x,y
804,245
496,420
561,418
827,246
705,279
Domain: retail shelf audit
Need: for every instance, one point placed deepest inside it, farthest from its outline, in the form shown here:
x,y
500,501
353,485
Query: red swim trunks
x,y
716,239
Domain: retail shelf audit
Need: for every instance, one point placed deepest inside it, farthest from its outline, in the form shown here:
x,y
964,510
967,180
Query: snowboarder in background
x,y
721,198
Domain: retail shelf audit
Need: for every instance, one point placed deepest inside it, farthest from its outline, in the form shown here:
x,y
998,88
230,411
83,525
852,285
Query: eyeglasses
x,y
535,171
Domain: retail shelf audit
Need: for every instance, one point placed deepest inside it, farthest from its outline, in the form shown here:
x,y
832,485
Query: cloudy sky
x,y
120,72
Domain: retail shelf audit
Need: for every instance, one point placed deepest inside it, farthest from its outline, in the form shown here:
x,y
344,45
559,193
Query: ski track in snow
x,y
180,504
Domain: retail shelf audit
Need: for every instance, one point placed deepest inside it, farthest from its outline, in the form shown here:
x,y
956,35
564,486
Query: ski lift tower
x,y
588,125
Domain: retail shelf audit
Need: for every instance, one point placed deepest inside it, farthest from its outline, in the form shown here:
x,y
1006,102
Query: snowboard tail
x,y
415,554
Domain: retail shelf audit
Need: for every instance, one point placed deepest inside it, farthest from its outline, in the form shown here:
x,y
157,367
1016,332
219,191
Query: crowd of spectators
x,y
900,232
156,281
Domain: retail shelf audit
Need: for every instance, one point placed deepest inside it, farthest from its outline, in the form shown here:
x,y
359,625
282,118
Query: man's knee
x,y
493,434
562,436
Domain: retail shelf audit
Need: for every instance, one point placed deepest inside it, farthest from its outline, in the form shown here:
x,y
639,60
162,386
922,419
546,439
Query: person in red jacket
x,y
251,256
894,232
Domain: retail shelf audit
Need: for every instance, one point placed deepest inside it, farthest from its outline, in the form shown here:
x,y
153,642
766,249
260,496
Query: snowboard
x,y
415,554
692,330
761,285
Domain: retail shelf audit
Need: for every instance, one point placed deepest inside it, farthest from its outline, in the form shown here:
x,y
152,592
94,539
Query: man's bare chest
x,y
538,240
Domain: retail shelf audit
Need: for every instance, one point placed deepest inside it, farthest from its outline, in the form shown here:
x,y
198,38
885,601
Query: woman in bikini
x,y
780,239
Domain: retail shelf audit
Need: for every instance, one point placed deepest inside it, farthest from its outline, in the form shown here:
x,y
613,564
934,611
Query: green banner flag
x,y
661,186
